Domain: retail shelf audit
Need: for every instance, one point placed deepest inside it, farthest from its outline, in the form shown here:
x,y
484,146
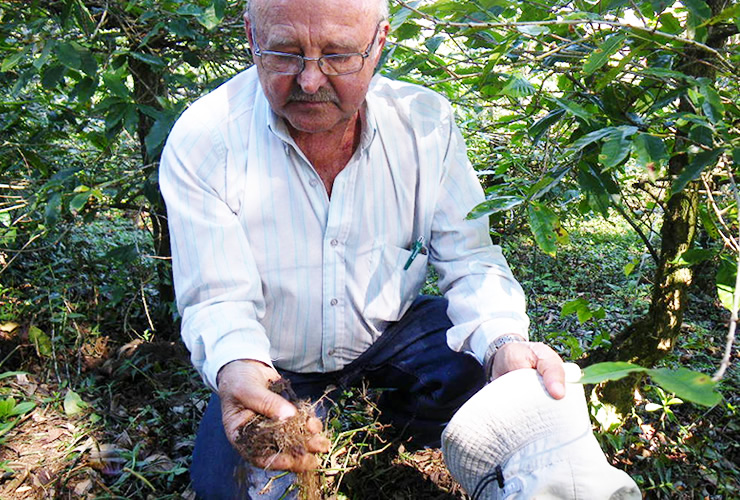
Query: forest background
x,y
605,134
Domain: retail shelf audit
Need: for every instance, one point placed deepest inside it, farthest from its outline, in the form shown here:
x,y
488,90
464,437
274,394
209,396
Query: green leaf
x,y
590,138
79,201
699,8
533,30
687,384
694,169
12,61
574,109
433,43
540,126
494,205
209,19
149,59
40,340
601,54
670,24
73,403
545,227
614,370
52,75
22,408
123,253
219,7
712,105
617,146
694,256
53,209
69,54
114,82
701,134
157,135
649,150
726,279
518,87
85,89
731,12
572,306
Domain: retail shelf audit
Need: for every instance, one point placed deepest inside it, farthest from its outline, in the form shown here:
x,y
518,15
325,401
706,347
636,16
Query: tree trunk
x,y
148,85
652,337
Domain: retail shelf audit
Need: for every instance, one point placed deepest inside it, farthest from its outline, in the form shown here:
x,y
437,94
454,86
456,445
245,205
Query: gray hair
x,y
383,10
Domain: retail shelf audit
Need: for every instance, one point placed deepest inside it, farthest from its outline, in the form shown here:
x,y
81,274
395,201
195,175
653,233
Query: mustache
x,y
322,95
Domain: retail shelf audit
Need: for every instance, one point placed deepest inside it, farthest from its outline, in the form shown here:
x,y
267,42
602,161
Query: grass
x,y
130,434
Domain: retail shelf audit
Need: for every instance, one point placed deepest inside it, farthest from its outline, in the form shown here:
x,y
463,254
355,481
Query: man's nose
x,y
311,78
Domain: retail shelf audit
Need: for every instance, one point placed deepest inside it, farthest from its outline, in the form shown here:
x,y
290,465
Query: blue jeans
x,y
426,383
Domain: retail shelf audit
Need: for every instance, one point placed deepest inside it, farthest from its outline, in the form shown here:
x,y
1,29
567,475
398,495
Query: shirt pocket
x,y
391,288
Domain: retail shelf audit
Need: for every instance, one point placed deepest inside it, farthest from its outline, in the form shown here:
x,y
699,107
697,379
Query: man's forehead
x,y
255,6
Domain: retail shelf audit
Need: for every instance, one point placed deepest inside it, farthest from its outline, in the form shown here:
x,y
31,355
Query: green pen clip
x,y
415,249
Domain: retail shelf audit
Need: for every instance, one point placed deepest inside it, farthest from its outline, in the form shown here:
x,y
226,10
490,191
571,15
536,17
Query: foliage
x,y
581,101
89,91
693,386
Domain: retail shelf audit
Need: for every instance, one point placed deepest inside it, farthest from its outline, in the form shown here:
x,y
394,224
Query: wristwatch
x,y
497,343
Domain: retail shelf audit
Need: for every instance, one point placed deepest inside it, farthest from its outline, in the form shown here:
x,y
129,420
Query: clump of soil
x,y
262,438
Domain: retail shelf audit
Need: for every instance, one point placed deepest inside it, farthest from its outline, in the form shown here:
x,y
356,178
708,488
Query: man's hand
x,y
544,359
243,389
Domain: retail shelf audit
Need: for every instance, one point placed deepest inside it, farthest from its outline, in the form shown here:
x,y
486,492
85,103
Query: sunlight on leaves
x,y
73,403
687,384
615,370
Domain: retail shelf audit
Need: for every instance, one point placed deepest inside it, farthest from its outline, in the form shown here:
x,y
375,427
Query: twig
x,y
30,240
729,241
638,230
735,296
146,308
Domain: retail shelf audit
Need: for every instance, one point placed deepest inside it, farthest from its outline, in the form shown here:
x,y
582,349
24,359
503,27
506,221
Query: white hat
x,y
513,440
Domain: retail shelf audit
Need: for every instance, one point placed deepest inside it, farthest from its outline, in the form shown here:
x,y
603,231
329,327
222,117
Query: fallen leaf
x,y
158,462
73,403
52,435
8,327
83,487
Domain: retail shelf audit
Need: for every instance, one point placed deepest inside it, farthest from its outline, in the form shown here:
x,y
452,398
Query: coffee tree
x,y
594,102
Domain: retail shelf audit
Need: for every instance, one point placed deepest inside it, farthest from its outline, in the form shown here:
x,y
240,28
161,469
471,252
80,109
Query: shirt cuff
x,y
232,347
487,332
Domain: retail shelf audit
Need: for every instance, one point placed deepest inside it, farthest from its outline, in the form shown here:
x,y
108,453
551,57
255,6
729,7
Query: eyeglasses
x,y
330,65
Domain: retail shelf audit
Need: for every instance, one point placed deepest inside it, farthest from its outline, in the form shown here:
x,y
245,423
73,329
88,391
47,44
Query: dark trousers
x,y
424,383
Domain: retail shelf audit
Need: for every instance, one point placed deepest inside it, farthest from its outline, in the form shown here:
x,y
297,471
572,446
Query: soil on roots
x,y
261,438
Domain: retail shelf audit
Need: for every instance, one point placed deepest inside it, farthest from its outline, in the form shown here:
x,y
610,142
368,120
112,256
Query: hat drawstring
x,y
497,475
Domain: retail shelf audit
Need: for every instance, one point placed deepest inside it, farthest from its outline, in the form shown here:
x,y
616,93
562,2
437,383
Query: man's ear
x,y
382,37
248,30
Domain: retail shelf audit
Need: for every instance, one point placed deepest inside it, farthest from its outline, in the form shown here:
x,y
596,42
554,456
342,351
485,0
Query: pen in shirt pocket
x,y
416,249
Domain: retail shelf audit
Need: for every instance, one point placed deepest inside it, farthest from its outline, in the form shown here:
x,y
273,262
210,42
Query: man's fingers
x,y
314,425
550,366
265,402
318,444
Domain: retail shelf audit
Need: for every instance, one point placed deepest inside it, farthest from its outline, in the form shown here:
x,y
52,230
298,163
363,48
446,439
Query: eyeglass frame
x,y
256,51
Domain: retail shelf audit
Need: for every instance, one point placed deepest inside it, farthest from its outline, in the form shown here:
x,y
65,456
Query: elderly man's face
x,y
311,101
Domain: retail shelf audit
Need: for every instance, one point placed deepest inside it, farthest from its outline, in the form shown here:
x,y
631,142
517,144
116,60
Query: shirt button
x,y
334,302
334,242
331,352
313,182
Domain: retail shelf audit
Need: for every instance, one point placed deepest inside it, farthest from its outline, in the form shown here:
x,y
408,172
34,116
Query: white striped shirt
x,y
267,267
